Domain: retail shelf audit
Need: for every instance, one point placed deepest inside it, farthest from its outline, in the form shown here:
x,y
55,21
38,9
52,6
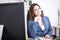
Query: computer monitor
x,y
12,17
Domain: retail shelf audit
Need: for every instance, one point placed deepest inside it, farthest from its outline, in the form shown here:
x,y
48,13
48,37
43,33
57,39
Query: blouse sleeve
x,y
48,29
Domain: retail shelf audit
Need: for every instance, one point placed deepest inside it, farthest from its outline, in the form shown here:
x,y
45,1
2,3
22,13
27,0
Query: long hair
x,y
31,14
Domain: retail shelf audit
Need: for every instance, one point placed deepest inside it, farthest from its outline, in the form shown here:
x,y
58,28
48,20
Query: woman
x,y
39,25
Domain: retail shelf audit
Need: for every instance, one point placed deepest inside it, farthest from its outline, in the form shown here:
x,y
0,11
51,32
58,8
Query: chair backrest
x,y
27,23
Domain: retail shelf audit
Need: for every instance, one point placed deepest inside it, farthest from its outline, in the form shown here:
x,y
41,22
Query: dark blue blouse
x,y
36,31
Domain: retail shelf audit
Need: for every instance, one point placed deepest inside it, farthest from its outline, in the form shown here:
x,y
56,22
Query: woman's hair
x,y
31,14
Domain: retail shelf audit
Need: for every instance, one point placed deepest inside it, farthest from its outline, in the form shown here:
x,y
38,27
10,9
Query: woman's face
x,y
37,10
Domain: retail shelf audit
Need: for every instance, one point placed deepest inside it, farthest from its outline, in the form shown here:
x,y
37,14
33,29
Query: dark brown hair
x,y
31,14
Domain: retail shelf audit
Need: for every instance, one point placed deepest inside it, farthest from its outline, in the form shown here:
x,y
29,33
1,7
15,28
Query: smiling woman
x,y
38,24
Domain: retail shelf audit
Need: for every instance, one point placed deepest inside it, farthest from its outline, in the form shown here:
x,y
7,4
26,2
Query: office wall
x,y
50,8
59,4
4,1
9,1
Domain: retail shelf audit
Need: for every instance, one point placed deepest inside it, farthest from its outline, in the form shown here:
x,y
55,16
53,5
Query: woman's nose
x,y
38,10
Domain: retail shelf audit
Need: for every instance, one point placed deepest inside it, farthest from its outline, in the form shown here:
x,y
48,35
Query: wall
x,y
58,4
50,8
9,1
4,1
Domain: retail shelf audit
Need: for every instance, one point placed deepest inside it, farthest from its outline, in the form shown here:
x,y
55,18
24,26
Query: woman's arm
x,y
48,29
49,35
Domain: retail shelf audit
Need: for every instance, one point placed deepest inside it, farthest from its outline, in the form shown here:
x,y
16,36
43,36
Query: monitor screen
x,y
12,17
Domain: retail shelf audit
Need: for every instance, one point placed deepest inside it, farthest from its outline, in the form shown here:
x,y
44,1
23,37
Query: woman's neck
x,y
38,16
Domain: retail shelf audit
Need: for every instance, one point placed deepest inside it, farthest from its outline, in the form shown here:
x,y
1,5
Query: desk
x,y
39,38
42,38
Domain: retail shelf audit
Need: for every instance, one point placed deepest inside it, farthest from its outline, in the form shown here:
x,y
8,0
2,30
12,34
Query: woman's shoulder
x,y
45,17
30,21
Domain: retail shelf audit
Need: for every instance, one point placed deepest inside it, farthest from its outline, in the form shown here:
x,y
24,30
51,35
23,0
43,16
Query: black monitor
x,y
12,17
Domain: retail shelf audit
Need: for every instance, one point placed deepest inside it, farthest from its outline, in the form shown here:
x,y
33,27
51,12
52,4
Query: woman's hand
x,y
47,36
36,19
39,20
